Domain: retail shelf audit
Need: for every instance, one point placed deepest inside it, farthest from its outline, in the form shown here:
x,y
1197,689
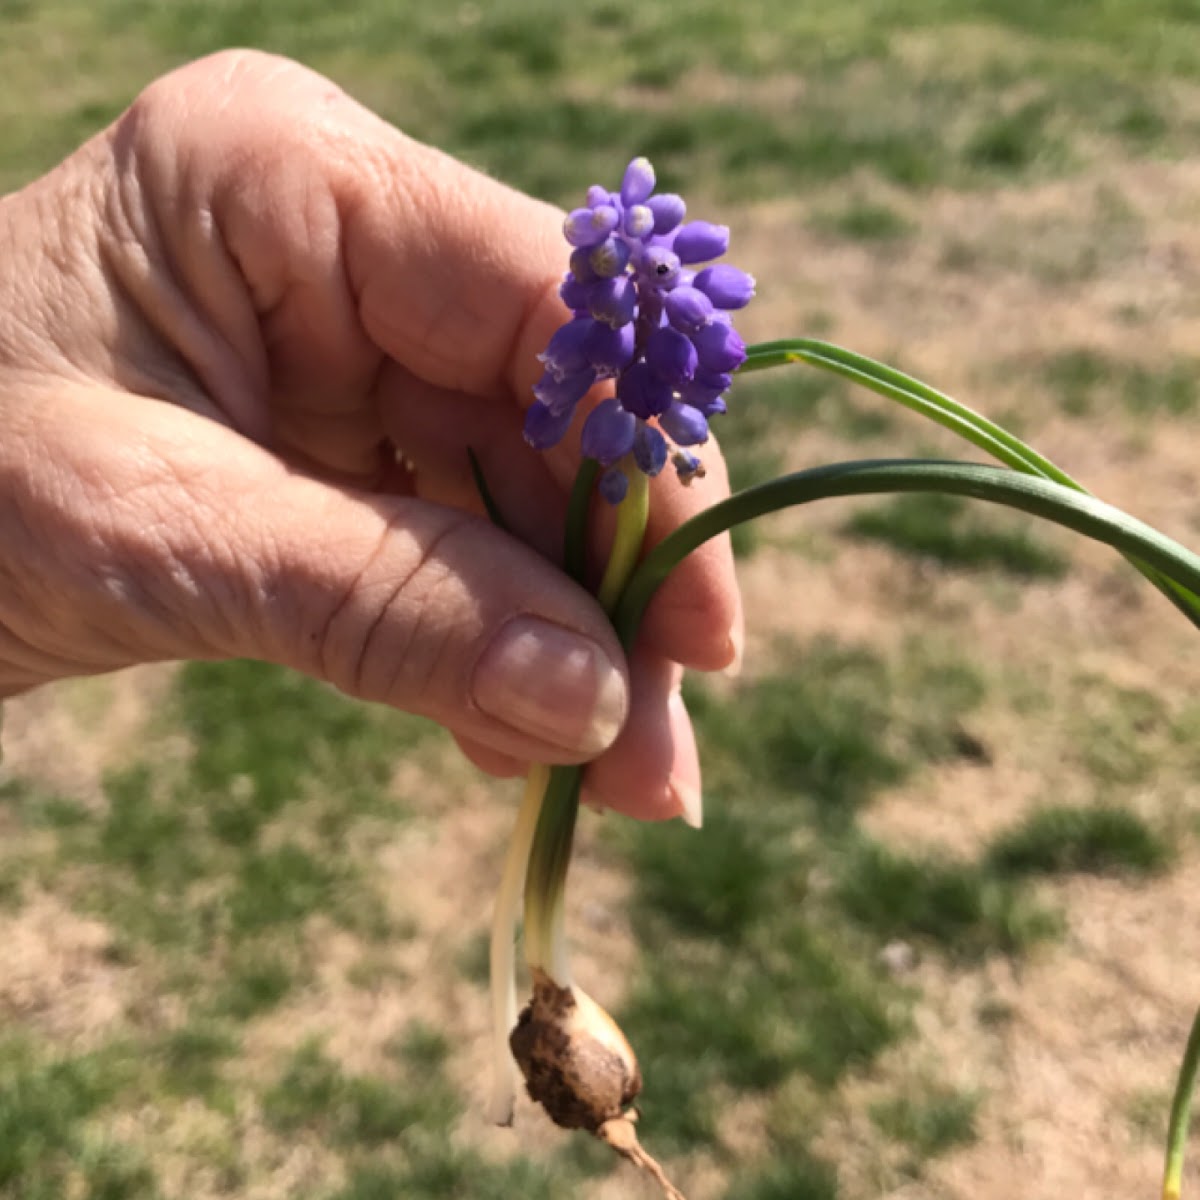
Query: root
x,y
620,1134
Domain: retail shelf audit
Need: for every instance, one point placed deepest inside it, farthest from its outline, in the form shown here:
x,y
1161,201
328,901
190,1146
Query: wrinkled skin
x,y
219,319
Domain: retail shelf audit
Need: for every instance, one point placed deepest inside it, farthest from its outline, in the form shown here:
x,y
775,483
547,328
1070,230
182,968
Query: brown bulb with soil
x,y
580,1068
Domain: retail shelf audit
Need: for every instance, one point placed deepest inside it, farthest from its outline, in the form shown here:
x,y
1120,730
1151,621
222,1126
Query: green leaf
x,y
1041,497
950,414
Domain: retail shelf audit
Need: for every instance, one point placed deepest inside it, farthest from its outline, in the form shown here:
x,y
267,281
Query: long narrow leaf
x,y
950,414
1041,497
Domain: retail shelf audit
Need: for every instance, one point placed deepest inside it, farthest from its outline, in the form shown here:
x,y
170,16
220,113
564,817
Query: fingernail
x,y
690,802
552,684
737,650
684,792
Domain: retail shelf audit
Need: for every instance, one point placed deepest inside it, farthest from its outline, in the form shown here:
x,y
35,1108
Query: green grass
x,y
865,221
951,531
551,99
1090,383
45,1103
795,1177
963,907
930,1121
770,412
761,932
1100,840
313,1093
445,1173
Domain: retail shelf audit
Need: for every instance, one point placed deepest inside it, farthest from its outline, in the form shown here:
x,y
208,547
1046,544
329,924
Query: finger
x,y
694,619
652,771
178,538
489,761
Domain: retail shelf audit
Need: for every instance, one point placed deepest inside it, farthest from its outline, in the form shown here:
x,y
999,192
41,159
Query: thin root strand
x,y
620,1134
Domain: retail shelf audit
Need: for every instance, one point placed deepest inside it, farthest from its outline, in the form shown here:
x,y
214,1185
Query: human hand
x,y
219,320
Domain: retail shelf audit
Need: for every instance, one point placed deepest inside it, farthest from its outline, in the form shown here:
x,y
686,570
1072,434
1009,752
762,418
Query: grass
x,y
929,1122
1088,382
759,969
591,85
1097,841
963,907
45,1102
950,531
866,221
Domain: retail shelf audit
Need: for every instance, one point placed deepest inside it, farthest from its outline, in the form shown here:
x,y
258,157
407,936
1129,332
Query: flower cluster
x,y
644,315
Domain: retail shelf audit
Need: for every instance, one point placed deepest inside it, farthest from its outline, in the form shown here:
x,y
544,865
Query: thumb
x,y
162,535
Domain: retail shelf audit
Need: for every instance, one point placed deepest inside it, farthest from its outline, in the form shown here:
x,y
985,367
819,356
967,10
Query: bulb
x,y
576,1061
578,1065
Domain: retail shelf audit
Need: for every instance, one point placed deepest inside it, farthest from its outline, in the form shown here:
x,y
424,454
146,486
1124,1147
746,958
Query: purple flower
x,y
587,226
641,314
566,354
719,347
638,182
668,210
689,309
698,241
608,432
671,356
560,393
726,286
684,425
607,349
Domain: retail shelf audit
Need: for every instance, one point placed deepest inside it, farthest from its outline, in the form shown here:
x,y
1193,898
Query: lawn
x,y
933,941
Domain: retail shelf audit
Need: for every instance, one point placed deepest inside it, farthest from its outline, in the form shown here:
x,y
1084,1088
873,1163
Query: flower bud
x,y
613,301
684,425
688,308
609,258
613,484
639,221
565,354
643,393
608,432
687,466
703,391
660,266
560,393
719,347
545,428
698,241
671,356
609,350
668,210
649,450
574,294
638,182
587,226
726,286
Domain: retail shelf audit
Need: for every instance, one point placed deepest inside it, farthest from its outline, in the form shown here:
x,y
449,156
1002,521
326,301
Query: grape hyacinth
x,y
644,315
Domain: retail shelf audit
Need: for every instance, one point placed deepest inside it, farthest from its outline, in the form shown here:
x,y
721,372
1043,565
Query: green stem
x,y
546,878
575,538
502,956
1043,498
632,517
1181,1111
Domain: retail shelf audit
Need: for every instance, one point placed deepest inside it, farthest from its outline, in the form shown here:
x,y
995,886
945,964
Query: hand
x,y
219,322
